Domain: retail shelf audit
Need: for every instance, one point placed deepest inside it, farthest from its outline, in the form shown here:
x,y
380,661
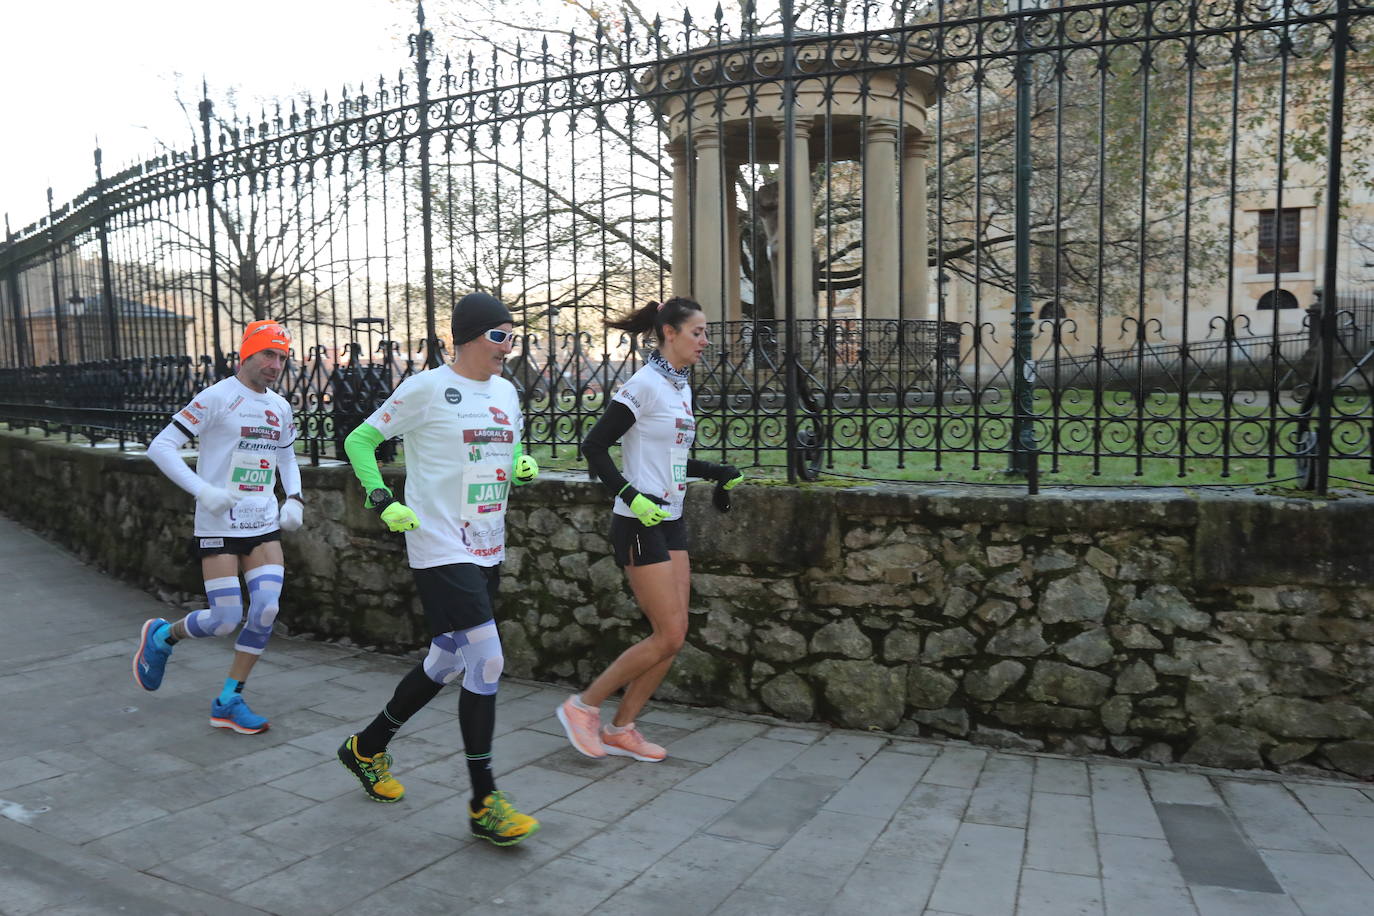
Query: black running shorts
x,y
457,596
636,545
242,547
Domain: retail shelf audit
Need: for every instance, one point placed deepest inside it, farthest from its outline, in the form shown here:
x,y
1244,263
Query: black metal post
x,y
208,178
1023,447
106,281
23,354
1335,137
420,44
789,239
59,319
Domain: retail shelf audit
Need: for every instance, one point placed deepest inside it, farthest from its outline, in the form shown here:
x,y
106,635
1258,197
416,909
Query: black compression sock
x,y
412,693
477,719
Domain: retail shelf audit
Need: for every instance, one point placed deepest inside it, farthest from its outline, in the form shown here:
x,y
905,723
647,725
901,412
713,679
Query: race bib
x,y
484,494
252,473
679,466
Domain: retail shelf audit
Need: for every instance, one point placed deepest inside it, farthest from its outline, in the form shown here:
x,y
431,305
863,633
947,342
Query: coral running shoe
x,y
582,727
630,743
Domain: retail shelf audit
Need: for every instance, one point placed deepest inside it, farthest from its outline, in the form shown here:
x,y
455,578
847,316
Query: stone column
x,y
803,227
915,230
881,269
708,224
732,266
682,219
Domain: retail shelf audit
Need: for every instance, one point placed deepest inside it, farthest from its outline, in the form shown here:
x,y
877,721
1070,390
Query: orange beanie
x,y
264,335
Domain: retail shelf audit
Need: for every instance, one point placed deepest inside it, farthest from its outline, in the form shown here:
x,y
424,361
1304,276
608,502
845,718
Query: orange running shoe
x,y
581,727
630,743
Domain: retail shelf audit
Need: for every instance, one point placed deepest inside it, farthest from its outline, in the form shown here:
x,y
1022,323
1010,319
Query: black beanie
x,y
475,313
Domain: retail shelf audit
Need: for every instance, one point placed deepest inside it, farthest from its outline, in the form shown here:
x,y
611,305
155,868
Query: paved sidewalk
x,y
115,800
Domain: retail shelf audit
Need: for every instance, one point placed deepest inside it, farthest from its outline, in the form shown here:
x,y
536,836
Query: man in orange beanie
x,y
247,439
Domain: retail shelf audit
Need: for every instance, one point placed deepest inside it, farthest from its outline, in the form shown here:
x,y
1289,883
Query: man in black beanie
x,y
462,426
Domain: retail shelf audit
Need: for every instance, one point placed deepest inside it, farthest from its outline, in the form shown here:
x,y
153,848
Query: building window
x,y
1281,299
1278,240
1052,311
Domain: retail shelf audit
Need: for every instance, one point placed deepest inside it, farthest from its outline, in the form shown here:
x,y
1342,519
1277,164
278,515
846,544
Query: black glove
x,y
727,477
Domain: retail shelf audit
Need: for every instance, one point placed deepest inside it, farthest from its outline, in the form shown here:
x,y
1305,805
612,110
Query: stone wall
x,y
1226,629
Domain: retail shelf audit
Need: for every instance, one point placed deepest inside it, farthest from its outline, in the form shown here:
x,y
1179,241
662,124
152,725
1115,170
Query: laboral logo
x,y
259,432
488,435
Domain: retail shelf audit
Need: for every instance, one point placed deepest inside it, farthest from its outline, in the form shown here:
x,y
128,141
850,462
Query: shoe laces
x,y
500,807
380,766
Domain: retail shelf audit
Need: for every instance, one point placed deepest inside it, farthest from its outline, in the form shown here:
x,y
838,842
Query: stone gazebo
x,y
712,98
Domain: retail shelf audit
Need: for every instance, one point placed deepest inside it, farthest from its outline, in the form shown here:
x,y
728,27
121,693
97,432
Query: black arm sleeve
x,y
706,470
614,423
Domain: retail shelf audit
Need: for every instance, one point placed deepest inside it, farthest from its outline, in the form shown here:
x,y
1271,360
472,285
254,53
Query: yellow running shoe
x,y
498,822
373,772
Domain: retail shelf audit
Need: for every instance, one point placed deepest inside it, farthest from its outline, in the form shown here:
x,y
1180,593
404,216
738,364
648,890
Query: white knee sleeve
x,y
264,596
224,613
474,653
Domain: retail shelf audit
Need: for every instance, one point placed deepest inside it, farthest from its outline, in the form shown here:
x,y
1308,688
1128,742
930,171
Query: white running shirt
x,y
460,440
655,450
241,433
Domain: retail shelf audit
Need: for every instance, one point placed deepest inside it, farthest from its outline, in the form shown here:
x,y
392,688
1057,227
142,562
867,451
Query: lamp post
x,y
1023,446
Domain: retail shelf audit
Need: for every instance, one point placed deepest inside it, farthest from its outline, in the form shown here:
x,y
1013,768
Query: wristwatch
x,y
380,499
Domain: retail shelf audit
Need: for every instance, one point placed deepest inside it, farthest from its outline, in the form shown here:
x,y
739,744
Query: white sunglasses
x,y
498,336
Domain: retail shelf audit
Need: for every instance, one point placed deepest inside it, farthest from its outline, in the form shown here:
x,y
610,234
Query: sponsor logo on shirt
x,y
272,419
386,418
190,417
453,395
236,402
259,432
499,416
488,435
212,542
627,396
685,423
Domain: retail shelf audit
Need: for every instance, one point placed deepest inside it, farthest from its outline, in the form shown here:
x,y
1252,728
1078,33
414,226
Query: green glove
x,y
400,517
647,509
729,476
526,469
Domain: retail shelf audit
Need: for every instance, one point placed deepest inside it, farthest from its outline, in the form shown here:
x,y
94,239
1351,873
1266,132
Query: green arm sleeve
x,y
361,448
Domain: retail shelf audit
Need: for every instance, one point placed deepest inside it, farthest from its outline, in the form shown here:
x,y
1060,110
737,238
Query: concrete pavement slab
x,y
107,789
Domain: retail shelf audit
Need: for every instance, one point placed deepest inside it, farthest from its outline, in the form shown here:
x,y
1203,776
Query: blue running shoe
x,y
150,661
236,715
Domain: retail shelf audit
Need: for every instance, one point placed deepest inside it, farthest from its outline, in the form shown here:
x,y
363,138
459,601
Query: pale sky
x,y
72,70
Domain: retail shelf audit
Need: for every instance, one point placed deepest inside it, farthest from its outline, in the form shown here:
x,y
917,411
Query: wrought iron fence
x,y
954,233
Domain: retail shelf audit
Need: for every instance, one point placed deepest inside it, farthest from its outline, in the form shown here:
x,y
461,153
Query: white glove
x,y
216,500
291,515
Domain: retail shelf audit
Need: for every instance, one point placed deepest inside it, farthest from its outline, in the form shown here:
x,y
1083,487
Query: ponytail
x,y
654,316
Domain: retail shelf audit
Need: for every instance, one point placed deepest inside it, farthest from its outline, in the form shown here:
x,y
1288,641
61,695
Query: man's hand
x,y
216,500
400,517
526,469
291,515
